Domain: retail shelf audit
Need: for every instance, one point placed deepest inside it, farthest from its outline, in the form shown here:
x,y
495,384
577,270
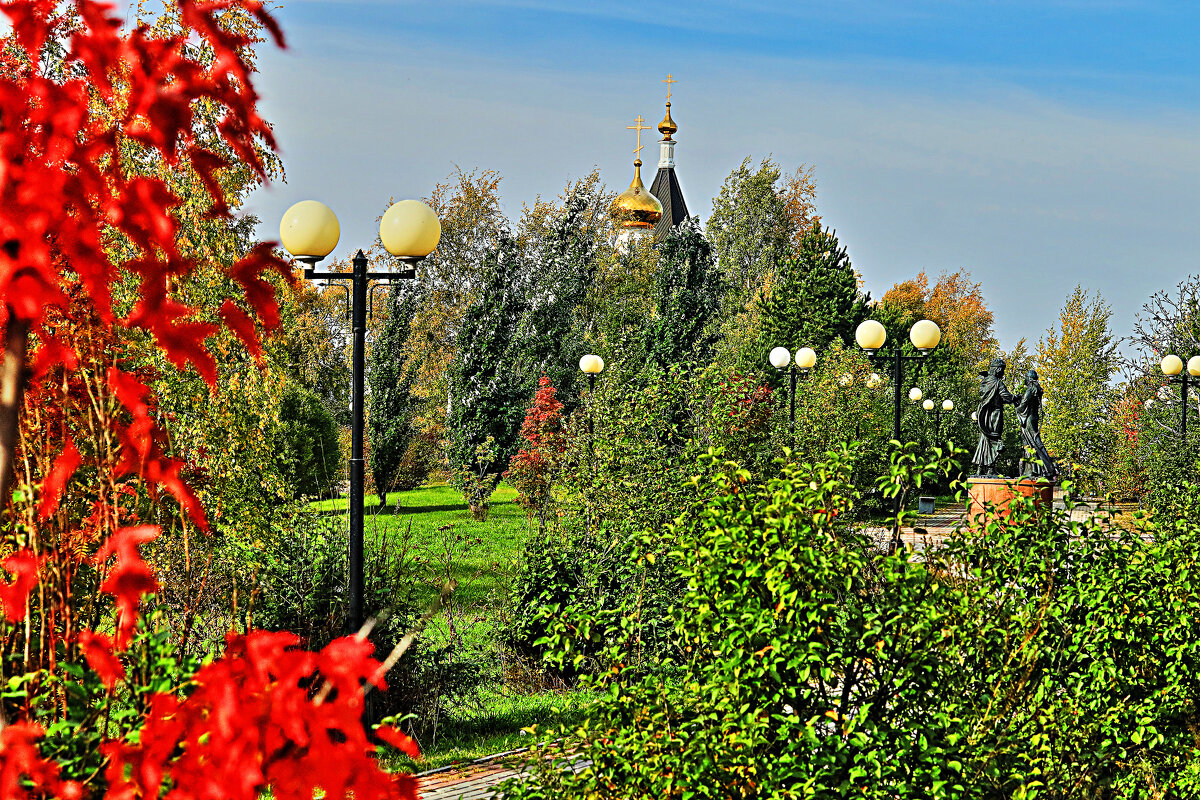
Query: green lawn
x,y
478,555
500,724
432,523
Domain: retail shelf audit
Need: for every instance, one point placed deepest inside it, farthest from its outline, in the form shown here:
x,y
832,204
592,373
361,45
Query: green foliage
x,y
313,459
750,229
390,378
312,344
687,296
476,480
1041,658
836,403
487,391
604,551
815,299
1075,361
564,252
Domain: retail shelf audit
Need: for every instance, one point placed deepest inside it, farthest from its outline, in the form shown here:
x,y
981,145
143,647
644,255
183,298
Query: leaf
x,y
52,487
24,566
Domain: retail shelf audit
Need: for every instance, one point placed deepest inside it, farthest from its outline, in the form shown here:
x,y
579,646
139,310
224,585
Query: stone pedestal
x,y
997,493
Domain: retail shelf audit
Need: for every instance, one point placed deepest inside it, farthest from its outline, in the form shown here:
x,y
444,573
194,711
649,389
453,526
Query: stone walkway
x,y
476,781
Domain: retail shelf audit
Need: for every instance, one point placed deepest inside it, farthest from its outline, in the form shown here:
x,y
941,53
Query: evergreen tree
x,y
687,295
390,379
487,387
816,298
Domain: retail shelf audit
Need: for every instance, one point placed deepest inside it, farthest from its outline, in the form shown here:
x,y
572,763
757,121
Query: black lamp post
x,y
931,405
924,336
591,365
309,231
1172,367
805,359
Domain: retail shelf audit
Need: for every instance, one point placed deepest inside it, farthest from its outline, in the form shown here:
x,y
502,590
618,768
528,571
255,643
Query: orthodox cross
x,y
639,127
668,82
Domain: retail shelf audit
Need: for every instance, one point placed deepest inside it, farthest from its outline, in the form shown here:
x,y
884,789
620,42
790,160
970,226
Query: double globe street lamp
x,y
930,405
924,335
871,336
805,360
309,231
1172,367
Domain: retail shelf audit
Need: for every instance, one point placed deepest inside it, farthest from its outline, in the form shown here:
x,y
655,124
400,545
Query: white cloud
x,y
1030,194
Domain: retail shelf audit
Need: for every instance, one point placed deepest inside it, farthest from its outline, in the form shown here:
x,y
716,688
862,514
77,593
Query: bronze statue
x,y
1029,413
993,395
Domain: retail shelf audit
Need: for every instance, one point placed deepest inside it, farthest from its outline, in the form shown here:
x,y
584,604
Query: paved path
x,y
476,781
479,779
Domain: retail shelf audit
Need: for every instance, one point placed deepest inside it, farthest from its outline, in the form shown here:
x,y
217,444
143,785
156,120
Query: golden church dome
x,y
667,126
636,207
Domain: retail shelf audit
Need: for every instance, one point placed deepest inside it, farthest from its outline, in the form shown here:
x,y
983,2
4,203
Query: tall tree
x,y
565,246
687,296
487,388
816,298
956,304
390,378
1076,360
754,224
1169,323
468,207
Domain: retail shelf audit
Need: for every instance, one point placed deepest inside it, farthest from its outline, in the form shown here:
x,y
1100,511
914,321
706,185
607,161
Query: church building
x,y
640,213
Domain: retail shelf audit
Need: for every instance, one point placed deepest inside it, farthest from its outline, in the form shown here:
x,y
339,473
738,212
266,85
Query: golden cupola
x,y
667,127
636,207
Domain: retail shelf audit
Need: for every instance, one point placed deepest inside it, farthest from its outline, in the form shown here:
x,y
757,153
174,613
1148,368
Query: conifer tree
x,y
816,298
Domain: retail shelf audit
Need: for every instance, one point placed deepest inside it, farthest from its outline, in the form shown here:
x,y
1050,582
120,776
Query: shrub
x,y
476,481
1040,658
313,457
422,458
533,468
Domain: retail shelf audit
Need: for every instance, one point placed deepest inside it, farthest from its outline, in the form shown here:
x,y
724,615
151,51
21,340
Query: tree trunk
x,y
12,385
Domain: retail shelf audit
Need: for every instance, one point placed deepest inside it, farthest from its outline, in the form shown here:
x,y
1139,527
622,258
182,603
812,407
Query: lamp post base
x,y
990,498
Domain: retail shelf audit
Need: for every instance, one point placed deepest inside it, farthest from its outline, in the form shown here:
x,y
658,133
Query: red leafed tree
x,y
531,470
77,92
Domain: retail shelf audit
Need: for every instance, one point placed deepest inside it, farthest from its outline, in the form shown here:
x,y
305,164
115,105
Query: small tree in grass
x,y
532,469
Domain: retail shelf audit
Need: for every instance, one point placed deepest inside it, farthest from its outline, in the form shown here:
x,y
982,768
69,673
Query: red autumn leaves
x,y
258,716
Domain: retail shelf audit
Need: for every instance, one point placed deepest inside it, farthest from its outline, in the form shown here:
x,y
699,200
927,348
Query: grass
x,y
434,521
499,724
432,524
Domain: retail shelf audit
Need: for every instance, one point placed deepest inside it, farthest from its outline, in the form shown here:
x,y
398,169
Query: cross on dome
x,y
639,127
668,82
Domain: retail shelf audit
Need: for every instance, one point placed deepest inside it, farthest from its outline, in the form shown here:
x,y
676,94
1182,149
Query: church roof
x,y
674,209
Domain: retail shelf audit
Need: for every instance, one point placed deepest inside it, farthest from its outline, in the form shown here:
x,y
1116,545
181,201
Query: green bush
x,y
422,457
312,457
1041,659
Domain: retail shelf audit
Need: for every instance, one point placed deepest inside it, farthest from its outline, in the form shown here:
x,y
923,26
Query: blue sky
x,y
1036,144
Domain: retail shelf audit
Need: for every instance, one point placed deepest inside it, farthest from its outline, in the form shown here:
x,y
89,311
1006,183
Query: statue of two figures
x,y
993,396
